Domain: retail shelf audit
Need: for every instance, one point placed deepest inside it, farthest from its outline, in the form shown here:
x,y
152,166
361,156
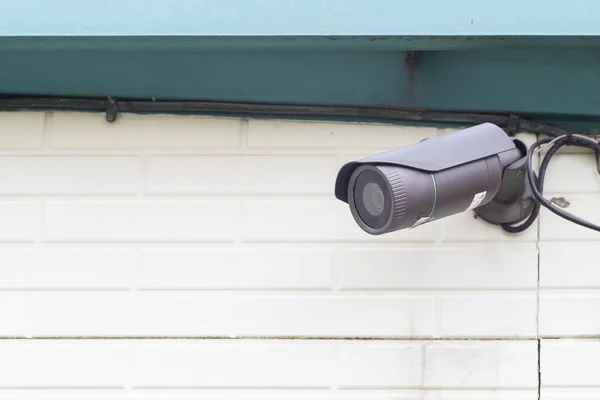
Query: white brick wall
x,y
172,257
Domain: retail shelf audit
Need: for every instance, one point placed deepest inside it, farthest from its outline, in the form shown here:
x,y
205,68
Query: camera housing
x,y
479,168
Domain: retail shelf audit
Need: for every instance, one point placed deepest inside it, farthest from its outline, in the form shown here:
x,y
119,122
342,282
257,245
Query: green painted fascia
x,y
525,82
535,58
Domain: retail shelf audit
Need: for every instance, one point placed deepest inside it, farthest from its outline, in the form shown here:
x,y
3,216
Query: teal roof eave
x,y
537,58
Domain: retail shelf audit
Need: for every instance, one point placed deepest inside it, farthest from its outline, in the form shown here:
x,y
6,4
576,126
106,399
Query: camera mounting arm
x,y
514,202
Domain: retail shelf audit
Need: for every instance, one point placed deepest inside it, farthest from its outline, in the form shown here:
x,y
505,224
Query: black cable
x,y
112,106
537,185
511,228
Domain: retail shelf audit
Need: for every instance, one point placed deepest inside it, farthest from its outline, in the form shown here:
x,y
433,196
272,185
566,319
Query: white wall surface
x,y
171,257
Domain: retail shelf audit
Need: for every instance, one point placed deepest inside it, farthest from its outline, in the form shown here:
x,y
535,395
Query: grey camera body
x,y
479,168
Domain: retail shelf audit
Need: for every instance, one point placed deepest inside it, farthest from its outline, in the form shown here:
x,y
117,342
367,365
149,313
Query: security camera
x,y
479,168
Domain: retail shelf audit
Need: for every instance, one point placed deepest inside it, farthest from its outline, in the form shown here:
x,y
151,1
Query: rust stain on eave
x,y
411,61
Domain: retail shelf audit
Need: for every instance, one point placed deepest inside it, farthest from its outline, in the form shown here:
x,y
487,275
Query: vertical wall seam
x,y
537,313
539,366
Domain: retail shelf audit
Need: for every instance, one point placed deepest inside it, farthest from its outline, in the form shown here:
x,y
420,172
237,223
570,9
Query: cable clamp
x,y
569,139
111,109
512,125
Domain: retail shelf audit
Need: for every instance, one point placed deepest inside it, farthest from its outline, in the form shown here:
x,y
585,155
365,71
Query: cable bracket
x,y
111,109
512,125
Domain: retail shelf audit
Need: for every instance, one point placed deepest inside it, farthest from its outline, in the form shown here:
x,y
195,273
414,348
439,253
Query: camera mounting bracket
x,y
514,201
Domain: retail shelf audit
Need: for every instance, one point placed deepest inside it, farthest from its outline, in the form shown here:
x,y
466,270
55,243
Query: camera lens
x,y
387,198
373,198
